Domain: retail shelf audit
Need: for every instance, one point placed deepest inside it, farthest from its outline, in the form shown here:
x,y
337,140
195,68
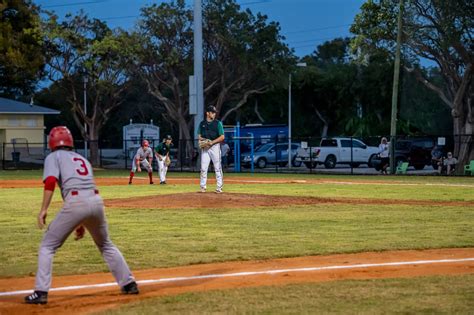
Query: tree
x,y
243,56
81,48
437,30
21,56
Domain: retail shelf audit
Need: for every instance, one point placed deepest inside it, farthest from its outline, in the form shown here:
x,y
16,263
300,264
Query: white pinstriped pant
x,y
207,155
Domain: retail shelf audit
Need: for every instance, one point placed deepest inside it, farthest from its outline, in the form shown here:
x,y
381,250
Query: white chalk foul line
x,y
248,273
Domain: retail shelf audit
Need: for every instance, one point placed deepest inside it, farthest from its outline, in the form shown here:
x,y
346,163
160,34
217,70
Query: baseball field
x,y
271,243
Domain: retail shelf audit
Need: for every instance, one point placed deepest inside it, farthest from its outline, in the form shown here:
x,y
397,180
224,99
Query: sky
x,y
304,23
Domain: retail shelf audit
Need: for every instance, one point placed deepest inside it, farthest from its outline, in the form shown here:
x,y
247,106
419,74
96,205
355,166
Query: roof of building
x,y
8,106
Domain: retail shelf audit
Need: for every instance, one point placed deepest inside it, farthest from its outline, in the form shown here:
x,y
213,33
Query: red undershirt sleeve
x,y
50,183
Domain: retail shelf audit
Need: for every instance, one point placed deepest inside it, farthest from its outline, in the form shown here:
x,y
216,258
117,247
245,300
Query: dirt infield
x,y
236,200
233,200
139,180
90,300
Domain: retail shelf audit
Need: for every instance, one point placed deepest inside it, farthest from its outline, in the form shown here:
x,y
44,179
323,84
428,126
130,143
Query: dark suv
x,y
417,152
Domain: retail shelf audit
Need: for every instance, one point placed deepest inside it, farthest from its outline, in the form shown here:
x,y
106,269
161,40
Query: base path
x,y
95,292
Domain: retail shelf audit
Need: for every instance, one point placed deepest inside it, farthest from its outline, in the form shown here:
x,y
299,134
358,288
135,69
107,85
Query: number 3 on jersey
x,y
83,170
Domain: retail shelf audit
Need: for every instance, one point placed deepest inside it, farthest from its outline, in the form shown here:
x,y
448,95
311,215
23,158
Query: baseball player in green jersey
x,y
83,208
162,154
212,131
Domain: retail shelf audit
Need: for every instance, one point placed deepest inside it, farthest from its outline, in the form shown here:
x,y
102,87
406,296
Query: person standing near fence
x,y
83,208
384,155
162,154
225,149
143,158
210,134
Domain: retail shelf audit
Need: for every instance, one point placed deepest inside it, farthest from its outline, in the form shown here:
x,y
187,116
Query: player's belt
x,y
76,192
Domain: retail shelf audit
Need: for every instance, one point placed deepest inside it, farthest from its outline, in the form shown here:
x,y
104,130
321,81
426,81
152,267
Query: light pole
x,y
85,115
198,65
299,64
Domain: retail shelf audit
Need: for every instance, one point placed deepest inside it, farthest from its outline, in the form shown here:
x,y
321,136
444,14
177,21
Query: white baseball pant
x,y
162,169
214,154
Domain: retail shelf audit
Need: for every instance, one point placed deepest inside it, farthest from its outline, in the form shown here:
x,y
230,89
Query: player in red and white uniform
x,y
83,208
143,159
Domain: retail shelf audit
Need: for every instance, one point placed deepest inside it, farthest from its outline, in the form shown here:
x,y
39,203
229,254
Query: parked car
x,y
332,151
417,152
271,153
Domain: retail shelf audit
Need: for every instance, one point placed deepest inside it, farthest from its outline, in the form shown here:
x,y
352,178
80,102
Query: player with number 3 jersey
x,y
83,209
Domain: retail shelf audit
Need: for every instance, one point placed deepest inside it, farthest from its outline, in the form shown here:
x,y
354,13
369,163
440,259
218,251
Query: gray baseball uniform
x,y
82,206
143,155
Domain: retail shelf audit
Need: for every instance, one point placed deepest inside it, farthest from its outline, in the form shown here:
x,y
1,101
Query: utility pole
x,y
198,68
396,78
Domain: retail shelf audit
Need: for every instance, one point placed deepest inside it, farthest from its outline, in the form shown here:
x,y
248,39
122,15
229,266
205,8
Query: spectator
x,y
450,164
384,155
437,158
225,149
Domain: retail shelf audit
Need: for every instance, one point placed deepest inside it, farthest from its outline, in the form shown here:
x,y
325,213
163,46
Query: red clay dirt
x,y
98,299
233,200
227,200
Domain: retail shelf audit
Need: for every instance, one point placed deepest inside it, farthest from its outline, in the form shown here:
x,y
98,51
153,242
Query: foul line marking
x,y
248,273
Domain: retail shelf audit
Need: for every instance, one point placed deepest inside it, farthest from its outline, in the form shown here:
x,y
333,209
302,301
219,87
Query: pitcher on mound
x,y
210,134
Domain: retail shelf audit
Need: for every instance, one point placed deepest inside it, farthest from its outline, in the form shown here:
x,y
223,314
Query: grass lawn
x,y
422,295
164,237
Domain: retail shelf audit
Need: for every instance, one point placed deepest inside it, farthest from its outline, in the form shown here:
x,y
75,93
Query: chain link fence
x,y
425,155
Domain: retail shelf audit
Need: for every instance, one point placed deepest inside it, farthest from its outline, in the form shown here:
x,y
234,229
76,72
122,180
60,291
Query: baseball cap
x,y
211,109
168,137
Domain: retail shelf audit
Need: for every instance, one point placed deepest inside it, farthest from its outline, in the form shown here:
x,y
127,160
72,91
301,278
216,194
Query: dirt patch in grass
x,y
234,200
93,299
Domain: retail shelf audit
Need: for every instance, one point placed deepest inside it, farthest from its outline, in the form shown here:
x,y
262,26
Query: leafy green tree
x,y
79,48
21,55
440,31
326,89
243,56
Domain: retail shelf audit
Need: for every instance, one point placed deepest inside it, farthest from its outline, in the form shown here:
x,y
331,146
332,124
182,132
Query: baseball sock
x,y
131,177
150,174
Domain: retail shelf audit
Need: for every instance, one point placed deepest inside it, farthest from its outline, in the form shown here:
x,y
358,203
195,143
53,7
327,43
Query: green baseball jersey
x,y
162,149
211,129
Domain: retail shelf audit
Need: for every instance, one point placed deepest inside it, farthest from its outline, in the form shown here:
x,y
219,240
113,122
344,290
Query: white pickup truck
x,y
334,151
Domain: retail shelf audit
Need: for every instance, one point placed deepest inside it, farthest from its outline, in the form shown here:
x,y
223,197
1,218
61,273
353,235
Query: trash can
x,y
16,157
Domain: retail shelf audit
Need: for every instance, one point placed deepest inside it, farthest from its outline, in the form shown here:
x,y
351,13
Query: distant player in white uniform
x,y
143,159
162,153
212,129
83,208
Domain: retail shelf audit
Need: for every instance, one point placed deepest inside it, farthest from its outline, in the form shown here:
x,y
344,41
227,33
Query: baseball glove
x,y
167,161
205,144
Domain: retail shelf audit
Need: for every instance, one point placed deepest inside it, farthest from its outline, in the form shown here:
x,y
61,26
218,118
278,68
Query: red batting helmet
x,y
60,136
145,143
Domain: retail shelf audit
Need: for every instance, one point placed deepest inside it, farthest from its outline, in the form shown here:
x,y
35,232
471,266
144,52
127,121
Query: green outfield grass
x,y
164,237
439,295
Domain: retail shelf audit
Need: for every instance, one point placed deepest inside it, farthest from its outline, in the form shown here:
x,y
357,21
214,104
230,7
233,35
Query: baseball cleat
x,y
38,297
203,190
163,183
152,183
129,183
218,191
130,288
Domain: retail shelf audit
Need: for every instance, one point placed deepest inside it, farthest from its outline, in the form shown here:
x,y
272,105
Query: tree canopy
x,y
435,30
21,55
